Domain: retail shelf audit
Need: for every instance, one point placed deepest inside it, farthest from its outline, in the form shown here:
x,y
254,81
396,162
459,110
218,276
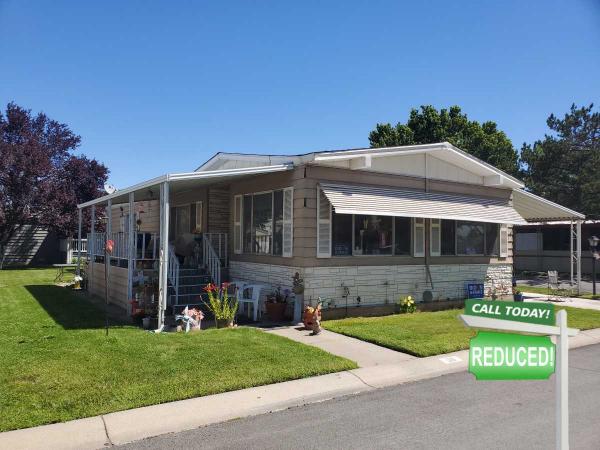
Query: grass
x,y
431,333
58,365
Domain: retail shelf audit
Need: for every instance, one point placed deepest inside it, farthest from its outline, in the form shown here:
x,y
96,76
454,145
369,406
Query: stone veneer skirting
x,y
378,284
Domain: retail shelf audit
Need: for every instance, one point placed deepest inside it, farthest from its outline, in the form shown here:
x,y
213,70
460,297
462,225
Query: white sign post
x,y
562,360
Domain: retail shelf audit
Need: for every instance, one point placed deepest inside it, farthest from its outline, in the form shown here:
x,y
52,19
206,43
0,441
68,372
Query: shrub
x,y
406,305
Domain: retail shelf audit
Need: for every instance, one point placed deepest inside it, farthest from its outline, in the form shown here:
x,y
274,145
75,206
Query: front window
x,y
341,234
469,238
372,235
262,223
402,234
448,239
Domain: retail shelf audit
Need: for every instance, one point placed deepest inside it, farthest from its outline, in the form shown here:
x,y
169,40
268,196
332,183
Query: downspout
x,y
427,236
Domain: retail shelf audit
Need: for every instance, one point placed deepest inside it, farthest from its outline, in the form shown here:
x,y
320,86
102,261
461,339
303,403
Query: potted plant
x,y
276,304
517,295
221,305
298,284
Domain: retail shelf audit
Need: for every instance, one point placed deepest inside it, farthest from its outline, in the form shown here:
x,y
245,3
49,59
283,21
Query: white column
x,y
163,252
562,383
131,250
79,215
579,257
106,255
91,250
571,254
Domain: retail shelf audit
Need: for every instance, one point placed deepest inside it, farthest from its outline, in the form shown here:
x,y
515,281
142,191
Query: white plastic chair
x,y
253,298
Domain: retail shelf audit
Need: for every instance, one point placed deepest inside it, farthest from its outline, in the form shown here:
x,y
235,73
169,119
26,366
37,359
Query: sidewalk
x,y
363,353
135,424
575,302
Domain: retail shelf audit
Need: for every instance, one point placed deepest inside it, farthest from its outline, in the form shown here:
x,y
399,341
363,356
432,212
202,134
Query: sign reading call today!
x,y
504,356
540,313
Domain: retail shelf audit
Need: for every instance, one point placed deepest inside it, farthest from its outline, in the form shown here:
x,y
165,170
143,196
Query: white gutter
x,y
174,177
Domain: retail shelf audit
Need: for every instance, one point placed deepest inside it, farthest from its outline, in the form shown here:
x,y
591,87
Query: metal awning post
x,y
579,257
163,254
107,234
572,253
91,249
79,216
131,250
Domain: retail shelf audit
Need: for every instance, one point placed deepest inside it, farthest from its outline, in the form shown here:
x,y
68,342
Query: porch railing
x,y
212,261
72,250
219,244
147,246
173,272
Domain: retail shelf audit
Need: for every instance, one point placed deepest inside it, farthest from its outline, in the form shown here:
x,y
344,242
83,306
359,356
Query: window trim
x,y
272,246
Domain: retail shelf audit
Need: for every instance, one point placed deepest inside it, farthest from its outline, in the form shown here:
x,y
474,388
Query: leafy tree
x,y
564,166
41,181
427,125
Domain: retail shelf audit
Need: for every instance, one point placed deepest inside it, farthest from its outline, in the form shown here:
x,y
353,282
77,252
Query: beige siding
x,y
150,216
218,210
117,286
304,180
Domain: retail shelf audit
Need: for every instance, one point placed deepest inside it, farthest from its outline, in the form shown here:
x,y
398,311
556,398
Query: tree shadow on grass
x,y
70,310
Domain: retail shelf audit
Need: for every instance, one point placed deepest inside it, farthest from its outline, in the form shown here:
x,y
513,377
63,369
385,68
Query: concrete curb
x,y
135,424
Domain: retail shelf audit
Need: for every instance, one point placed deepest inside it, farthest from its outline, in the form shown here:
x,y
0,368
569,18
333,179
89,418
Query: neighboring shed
x,y
32,245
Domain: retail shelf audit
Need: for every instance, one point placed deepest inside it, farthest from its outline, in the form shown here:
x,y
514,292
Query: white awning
x,y
358,199
537,209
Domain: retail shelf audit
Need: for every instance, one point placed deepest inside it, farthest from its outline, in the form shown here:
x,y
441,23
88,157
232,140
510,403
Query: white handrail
x,y
173,272
211,260
219,243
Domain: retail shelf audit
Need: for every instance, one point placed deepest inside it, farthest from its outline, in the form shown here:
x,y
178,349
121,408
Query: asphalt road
x,y
450,412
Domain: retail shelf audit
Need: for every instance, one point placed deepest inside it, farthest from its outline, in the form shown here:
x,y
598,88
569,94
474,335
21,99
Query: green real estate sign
x,y
540,313
503,356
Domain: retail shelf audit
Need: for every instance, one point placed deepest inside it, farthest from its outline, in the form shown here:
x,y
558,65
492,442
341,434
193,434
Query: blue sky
x,y
156,87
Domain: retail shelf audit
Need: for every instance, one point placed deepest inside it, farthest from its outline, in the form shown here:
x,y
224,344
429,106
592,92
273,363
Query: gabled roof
x,y
360,158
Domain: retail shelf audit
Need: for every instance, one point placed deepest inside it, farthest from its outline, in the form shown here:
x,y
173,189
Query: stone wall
x,y
385,284
269,275
377,285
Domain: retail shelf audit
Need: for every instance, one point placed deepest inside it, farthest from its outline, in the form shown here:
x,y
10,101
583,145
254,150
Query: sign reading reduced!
x,y
503,356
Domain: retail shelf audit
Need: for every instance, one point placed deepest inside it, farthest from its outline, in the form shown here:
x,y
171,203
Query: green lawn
x,y
431,333
57,364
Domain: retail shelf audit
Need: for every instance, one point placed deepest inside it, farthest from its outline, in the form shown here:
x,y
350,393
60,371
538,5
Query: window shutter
x,y
503,241
419,247
435,241
237,224
198,218
323,226
288,222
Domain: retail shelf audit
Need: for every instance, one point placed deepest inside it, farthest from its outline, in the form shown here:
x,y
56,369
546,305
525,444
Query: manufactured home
x,y
362,226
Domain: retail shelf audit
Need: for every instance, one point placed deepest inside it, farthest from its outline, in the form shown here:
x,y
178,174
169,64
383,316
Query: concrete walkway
x,y
574,302
363,353
135,424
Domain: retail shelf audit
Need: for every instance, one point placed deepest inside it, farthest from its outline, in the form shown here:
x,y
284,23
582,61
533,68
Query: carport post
x,y
578,257
79,214
131,251
91,253
163,263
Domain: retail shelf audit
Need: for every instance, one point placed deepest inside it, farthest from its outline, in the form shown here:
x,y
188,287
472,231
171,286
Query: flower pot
x,y
518,297
224,323
275,311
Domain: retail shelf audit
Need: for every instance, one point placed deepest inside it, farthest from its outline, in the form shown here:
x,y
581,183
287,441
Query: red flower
x,y
210,287
225,285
